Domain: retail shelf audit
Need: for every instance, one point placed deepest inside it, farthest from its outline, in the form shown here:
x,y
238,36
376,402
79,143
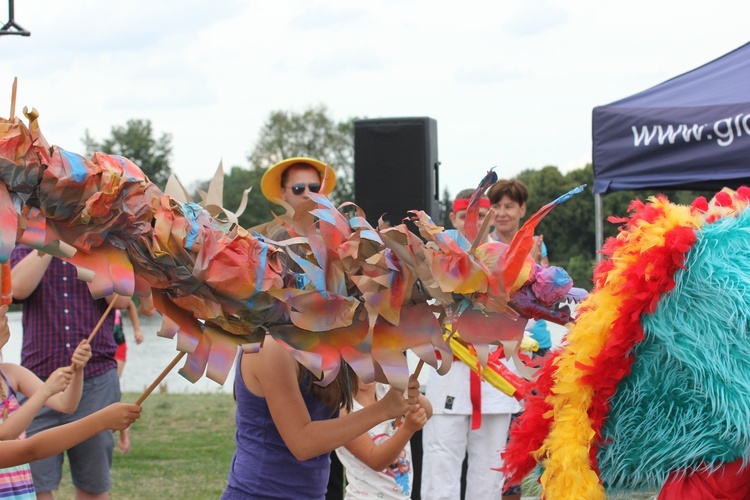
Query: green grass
x,y
181,448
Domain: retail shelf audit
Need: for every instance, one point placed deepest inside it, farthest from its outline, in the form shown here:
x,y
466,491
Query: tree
x,y
286,134
569,230
136,142
258,208
313,134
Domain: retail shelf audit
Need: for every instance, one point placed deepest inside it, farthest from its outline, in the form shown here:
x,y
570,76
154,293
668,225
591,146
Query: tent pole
x,y
599,225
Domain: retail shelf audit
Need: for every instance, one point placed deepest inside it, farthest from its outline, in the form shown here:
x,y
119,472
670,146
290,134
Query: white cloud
x,y
510,83
535,18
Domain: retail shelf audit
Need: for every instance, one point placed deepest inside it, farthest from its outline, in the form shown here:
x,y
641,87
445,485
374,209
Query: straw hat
x,y
270,184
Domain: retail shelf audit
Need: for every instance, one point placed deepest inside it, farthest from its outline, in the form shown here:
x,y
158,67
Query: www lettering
x,y
723,131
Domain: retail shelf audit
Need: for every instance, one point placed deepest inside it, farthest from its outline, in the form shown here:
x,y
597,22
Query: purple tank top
x,y
262,465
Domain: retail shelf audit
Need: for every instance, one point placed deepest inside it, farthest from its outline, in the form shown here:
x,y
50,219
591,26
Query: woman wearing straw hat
x,y
290,180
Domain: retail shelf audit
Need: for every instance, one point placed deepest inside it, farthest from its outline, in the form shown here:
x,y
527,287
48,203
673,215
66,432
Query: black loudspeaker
x,y
396,168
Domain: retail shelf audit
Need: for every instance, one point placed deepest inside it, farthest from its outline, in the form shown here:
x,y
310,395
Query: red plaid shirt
x,y
57,316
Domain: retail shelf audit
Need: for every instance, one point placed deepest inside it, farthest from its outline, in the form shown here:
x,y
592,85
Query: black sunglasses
x,y
298,189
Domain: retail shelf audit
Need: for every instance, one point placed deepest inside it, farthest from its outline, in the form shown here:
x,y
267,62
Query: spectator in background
x,y
121,355
470,416
508,199
291,179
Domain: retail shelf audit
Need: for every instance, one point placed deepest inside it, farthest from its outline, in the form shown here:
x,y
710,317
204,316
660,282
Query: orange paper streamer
x,y
6,293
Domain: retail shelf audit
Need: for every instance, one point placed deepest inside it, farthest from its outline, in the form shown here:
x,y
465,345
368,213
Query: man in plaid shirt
x,y
58,313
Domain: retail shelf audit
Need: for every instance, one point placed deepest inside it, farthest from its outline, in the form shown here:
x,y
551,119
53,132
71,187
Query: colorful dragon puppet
x,y
334,288
650,390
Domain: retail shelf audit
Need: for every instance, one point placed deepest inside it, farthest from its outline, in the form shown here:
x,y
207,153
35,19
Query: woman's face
x,y
508,214
296,179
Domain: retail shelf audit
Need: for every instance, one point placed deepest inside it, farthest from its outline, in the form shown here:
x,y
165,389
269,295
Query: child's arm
x,y
50,442
61,391
272,374
379,456
67,401
25,382
133,315
51,391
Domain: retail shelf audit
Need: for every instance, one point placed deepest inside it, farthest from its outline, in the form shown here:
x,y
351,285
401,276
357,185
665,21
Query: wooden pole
x,y
100,323
13,100
417,370
101,320
161,376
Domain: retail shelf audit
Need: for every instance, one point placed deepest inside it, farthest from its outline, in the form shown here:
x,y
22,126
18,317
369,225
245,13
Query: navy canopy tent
x,y
690,132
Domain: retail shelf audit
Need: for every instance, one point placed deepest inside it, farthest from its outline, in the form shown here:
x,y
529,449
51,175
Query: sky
x,y
510,83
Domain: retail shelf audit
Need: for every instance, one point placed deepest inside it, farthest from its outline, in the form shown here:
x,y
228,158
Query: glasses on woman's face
x,y
298,189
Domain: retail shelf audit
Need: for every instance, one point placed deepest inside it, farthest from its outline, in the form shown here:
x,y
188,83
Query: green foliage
x,y
446,207
312,133
569,230
258,209
136,142
581,269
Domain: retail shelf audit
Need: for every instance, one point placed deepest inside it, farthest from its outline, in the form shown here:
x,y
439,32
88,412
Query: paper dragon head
x,y
653,378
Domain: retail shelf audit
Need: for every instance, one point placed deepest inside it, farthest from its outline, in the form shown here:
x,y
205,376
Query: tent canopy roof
x,y
690,132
